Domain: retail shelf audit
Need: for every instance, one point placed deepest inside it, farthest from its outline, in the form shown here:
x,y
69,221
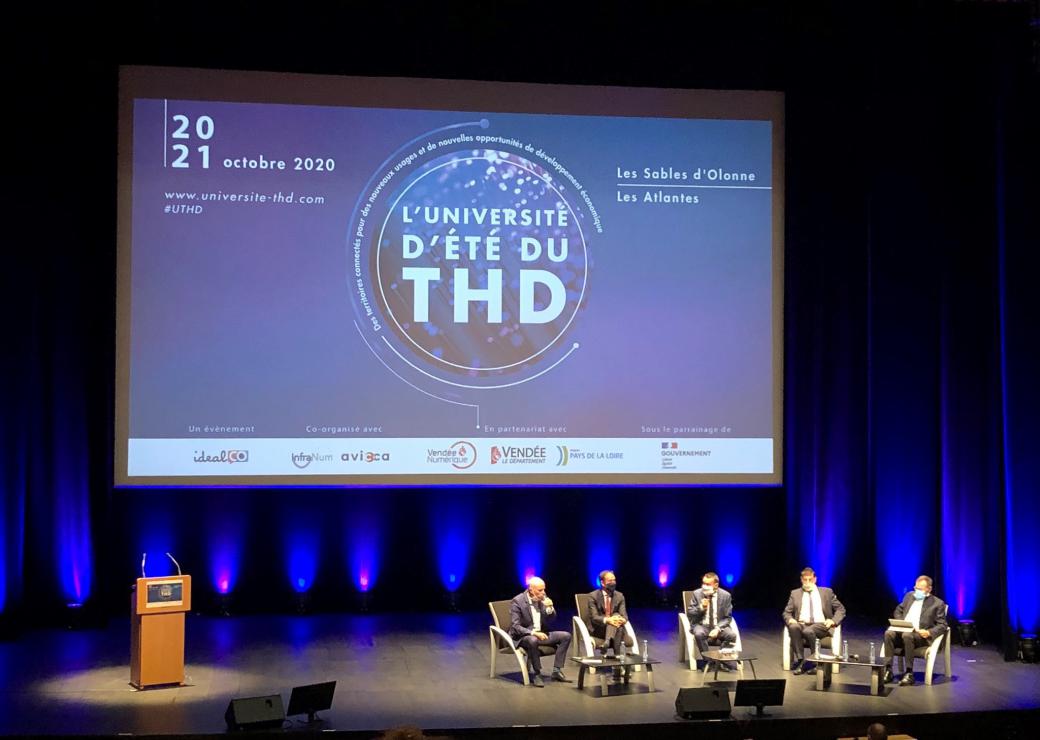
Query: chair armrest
x,y
631,632
503,634
583,635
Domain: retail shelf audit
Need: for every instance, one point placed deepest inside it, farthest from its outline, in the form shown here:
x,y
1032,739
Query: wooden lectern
x,y
157,609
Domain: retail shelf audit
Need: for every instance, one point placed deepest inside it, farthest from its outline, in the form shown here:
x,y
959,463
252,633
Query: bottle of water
x,y
622,649
873,656
816,653
646,649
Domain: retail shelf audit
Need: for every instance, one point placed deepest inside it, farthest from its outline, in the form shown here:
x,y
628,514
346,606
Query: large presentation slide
x,y
345,280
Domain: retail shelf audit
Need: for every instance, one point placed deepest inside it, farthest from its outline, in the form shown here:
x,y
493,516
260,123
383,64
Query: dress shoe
x,y
725,667
798,668
536,680
907,679
888,677
810,671
558,675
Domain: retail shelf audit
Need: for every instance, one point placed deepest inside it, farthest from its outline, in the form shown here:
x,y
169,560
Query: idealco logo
x,y
469,265
225,456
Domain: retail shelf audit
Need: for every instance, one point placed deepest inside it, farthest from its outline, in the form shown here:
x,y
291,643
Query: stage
x,y
431,670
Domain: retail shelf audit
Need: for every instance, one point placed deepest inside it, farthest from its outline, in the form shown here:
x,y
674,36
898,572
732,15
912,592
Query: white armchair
x,y
929,653
833,642
688,650
583,644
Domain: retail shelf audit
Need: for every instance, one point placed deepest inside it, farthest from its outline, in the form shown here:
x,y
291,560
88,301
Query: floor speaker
x,y
255,712
706,703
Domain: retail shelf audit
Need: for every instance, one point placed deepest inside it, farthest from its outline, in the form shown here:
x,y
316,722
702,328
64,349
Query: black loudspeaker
x,y
706,703
254,712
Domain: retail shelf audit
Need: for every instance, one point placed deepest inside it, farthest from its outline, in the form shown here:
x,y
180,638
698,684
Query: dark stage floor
x,y
432,671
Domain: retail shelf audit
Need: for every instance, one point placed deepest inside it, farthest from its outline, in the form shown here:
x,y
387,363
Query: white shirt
x,y
536,616
817,607
913,615
713,606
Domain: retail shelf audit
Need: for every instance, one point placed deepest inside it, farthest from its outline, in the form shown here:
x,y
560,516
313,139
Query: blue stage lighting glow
x,y
363,550
530,547
302,546
601,536
664,549
3,566
224,564
453,539
729,555
73,528
225,535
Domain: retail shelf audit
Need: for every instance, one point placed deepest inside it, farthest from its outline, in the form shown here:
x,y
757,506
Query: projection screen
x,y
385,281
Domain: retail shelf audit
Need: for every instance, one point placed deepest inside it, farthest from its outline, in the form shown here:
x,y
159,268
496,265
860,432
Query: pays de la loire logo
x,y
468,266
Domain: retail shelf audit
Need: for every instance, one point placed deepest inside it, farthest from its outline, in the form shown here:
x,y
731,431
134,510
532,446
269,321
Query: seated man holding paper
x,y
925,615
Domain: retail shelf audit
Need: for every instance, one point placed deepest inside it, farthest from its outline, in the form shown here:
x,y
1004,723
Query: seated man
x,y
711,614
608,613
928,615
529,614
811,614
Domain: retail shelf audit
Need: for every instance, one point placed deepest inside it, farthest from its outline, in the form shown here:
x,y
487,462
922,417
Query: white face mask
x,y
807,587
707,590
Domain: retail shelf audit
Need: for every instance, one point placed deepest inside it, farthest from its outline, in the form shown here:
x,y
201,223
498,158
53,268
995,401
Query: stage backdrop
x,y
910,353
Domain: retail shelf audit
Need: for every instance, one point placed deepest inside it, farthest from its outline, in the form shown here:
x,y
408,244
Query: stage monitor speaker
x,y
706,703
255,712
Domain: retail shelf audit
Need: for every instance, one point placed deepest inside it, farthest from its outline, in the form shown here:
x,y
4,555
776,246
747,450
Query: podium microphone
x,y
144,557
175,563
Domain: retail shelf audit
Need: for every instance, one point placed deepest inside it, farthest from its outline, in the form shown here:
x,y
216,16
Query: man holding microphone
x,y
711,614
531,612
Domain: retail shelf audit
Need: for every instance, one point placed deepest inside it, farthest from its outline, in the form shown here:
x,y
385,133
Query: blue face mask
x,y
919,594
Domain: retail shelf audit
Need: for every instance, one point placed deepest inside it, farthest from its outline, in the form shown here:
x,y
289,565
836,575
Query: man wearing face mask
x,y
928,615
812,613
711,613
608,613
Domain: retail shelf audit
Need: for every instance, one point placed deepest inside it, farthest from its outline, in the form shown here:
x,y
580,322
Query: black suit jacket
x,y
521,621
598,611
724,608
933,613
832,608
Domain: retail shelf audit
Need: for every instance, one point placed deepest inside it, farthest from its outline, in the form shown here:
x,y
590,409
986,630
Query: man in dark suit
x,y
928,615
811,614
530,614
608,613
711,616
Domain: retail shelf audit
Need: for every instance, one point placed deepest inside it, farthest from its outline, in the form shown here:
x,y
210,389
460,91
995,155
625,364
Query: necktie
x,y
607,605
711,613
812,617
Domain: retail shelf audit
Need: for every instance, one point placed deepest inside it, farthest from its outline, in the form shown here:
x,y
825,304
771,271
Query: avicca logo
x,y
364,456
468,266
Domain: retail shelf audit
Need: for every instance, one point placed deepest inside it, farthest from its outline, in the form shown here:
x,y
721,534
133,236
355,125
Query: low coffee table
x,y
715,657
606,665
825,666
